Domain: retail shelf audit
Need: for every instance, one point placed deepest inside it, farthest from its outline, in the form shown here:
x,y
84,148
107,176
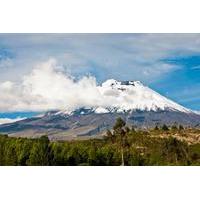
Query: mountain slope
x,y
130,100
131,95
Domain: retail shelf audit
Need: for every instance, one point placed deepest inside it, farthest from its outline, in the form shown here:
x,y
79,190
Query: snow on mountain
x,y
127,96
124,99
197,112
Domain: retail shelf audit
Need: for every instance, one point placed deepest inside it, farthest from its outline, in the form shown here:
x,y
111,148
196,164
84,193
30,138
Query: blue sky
x,y
168,63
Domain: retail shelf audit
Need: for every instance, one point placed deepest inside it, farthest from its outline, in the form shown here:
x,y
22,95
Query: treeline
x,y
122,146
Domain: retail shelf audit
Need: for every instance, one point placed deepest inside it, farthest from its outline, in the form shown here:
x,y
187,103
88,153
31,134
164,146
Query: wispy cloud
x,y
196,67
113,54
8,120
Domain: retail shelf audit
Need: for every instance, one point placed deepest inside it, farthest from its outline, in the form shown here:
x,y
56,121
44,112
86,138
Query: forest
x,y
123,145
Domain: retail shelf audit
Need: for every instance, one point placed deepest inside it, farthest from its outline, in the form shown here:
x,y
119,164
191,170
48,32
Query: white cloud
x,y
8,120
48,88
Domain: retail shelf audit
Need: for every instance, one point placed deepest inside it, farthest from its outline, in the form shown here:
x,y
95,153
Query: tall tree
x,y
119,129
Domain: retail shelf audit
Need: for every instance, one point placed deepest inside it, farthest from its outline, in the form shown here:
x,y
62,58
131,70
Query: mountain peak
x,y
124,96
127,96
113,82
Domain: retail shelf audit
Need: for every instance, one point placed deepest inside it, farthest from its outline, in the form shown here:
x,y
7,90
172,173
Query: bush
x,y
181,127
165,127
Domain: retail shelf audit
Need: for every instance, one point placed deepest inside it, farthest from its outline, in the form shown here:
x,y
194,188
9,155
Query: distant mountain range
x,y
137,104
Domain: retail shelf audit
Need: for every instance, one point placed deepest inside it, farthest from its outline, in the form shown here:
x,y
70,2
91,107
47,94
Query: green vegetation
x,y
121,146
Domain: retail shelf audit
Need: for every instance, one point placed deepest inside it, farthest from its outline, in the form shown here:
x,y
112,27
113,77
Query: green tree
x,y
40,152
3,139
180,127
174,127
119,124
119,129
110,136
92,159
165,127
10,158
175,151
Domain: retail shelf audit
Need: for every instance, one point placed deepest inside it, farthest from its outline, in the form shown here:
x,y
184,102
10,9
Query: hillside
x,y
163,146
135,103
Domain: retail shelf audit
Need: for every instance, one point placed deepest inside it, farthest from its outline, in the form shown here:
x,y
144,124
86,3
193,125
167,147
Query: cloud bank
x,y
47,87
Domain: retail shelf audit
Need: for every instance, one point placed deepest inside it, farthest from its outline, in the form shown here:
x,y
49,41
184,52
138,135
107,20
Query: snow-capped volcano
x,y
133,95
137,104
126,96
